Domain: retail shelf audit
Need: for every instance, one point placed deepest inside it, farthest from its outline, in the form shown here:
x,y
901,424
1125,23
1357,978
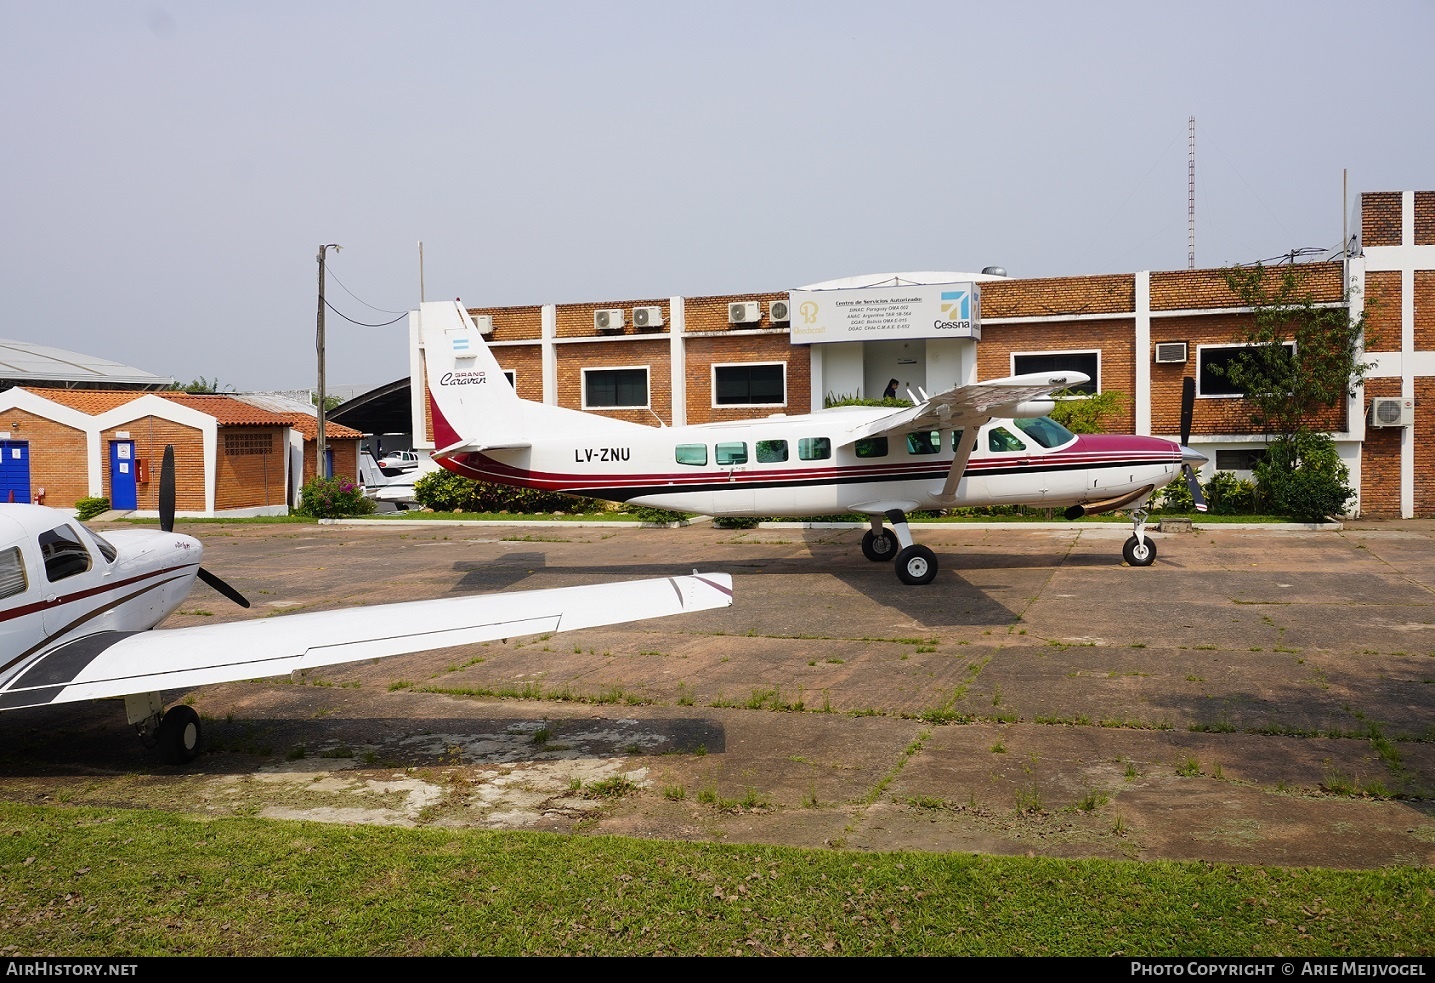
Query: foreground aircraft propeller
x,y
1189,456
166,523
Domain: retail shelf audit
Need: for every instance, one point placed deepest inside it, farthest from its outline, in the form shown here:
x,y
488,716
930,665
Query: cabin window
x,y
771,451
12,573
65,556
957,441
814,448
1213,368
1086,362
924,442
872,447
694,454
1045,431
1001,440
615,389
106,548
750,384
733,453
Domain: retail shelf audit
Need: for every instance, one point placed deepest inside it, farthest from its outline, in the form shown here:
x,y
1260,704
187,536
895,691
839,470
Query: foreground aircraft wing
x,y
124,663
968,406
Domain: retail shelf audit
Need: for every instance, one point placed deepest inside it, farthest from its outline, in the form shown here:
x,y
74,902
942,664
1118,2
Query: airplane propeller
x,y
1188,456
166,522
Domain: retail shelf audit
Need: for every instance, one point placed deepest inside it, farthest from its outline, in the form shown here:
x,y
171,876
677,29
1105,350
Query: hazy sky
x,y
169,170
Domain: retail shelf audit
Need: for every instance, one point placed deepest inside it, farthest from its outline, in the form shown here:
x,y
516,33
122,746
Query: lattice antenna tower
x,y
1191,196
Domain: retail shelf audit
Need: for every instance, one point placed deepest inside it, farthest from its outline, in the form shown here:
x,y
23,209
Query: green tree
x,y
201,385
1088,414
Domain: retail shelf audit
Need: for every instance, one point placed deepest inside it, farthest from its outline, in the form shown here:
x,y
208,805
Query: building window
x,y
771,451
872,447
1213,368
512,377
814,448
610,389
750,384
731,454
241,444
694,454
1244,459
1087,362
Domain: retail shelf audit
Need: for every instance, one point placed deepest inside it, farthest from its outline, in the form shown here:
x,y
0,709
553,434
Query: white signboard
x,y
935,310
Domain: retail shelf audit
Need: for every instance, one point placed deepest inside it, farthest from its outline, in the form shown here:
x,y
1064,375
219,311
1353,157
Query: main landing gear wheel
x,y
179,735
1139,552
879,547
916,565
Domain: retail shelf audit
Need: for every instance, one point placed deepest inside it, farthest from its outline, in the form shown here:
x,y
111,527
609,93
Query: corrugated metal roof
x,y
21,361
305,415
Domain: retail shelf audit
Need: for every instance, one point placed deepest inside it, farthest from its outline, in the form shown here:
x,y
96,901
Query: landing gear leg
x,y
176,732
916,565
1139,551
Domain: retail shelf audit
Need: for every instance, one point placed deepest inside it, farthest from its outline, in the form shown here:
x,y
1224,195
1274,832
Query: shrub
x,y
660,516
444,491
332,498
1302,477
88,508
1228,495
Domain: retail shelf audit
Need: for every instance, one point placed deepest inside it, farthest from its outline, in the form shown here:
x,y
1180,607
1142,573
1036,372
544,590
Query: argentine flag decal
x,y
460,344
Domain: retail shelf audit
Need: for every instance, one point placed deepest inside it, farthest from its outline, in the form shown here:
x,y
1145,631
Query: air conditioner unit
x,y
777,311
744,313
609,319
1170,352
484,322
647,317
1392,412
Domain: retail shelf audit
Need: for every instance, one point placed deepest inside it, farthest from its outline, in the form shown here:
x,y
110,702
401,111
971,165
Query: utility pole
x,y
1191,196
321,445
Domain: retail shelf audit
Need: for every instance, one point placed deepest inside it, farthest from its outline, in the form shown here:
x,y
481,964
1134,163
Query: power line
x,y
360,299
361,323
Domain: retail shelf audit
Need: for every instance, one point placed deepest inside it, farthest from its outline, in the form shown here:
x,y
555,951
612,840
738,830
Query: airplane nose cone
x,y
1190,455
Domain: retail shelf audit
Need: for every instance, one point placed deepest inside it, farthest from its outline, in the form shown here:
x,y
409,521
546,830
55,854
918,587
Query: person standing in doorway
x,y
891,391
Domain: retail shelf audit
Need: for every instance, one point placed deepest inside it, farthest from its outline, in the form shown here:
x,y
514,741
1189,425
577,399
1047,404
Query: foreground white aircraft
x,y
75,609
984,444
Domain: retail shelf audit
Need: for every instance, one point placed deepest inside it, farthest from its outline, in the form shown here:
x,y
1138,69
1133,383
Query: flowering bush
x,y
333,498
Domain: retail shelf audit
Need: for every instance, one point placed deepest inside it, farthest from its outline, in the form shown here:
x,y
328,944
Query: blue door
x,y
123,497
14,471
328,462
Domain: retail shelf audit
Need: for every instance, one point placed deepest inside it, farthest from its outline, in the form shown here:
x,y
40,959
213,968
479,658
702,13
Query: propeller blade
x,y
166,490
1191,483
223,588
1188,404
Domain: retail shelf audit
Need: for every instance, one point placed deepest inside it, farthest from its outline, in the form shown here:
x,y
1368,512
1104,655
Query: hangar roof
x,y
24,362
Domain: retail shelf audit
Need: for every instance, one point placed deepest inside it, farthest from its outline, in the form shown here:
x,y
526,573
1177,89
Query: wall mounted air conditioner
x,y
777,311
1392,412
1170,352
484,323
647,317
608,320
744,313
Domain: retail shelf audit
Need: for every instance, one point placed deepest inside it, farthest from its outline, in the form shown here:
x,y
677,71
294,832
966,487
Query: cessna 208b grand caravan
x,y
75,609
989,443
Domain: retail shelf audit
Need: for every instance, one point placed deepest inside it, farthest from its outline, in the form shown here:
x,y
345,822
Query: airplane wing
x,y
124,663
968,406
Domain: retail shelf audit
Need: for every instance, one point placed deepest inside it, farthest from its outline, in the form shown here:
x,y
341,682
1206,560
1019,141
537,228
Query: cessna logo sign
x,y
462,379
936,310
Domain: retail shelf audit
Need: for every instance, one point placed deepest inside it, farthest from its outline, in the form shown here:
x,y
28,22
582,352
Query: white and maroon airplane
x,y
990,443
76,608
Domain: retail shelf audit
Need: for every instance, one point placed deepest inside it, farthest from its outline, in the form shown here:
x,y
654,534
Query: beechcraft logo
x,y
808,310
956,305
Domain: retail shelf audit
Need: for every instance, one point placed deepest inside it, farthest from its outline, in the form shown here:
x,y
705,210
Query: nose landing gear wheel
x,y
916,565
178,734
879,547
1139,553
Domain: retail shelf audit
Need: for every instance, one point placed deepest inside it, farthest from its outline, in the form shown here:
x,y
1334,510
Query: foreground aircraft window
x,y
615,388
1088,363
740,385
106,548
735,453
1045,431
771,451
814,448
696,454
12,573
925,442
1001,439
872,447
65,556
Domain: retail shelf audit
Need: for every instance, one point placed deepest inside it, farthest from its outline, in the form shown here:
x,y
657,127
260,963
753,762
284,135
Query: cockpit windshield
x,y
1045,431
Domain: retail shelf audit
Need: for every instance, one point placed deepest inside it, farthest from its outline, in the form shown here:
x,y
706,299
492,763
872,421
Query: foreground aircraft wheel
x,y
879,547
179,735
916,565
1138,553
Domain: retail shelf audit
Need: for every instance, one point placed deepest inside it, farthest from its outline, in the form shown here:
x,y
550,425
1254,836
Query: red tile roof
x,y
226,410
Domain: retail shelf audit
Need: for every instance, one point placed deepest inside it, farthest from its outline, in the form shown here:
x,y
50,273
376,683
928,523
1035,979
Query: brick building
x,y
685,360
60,445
